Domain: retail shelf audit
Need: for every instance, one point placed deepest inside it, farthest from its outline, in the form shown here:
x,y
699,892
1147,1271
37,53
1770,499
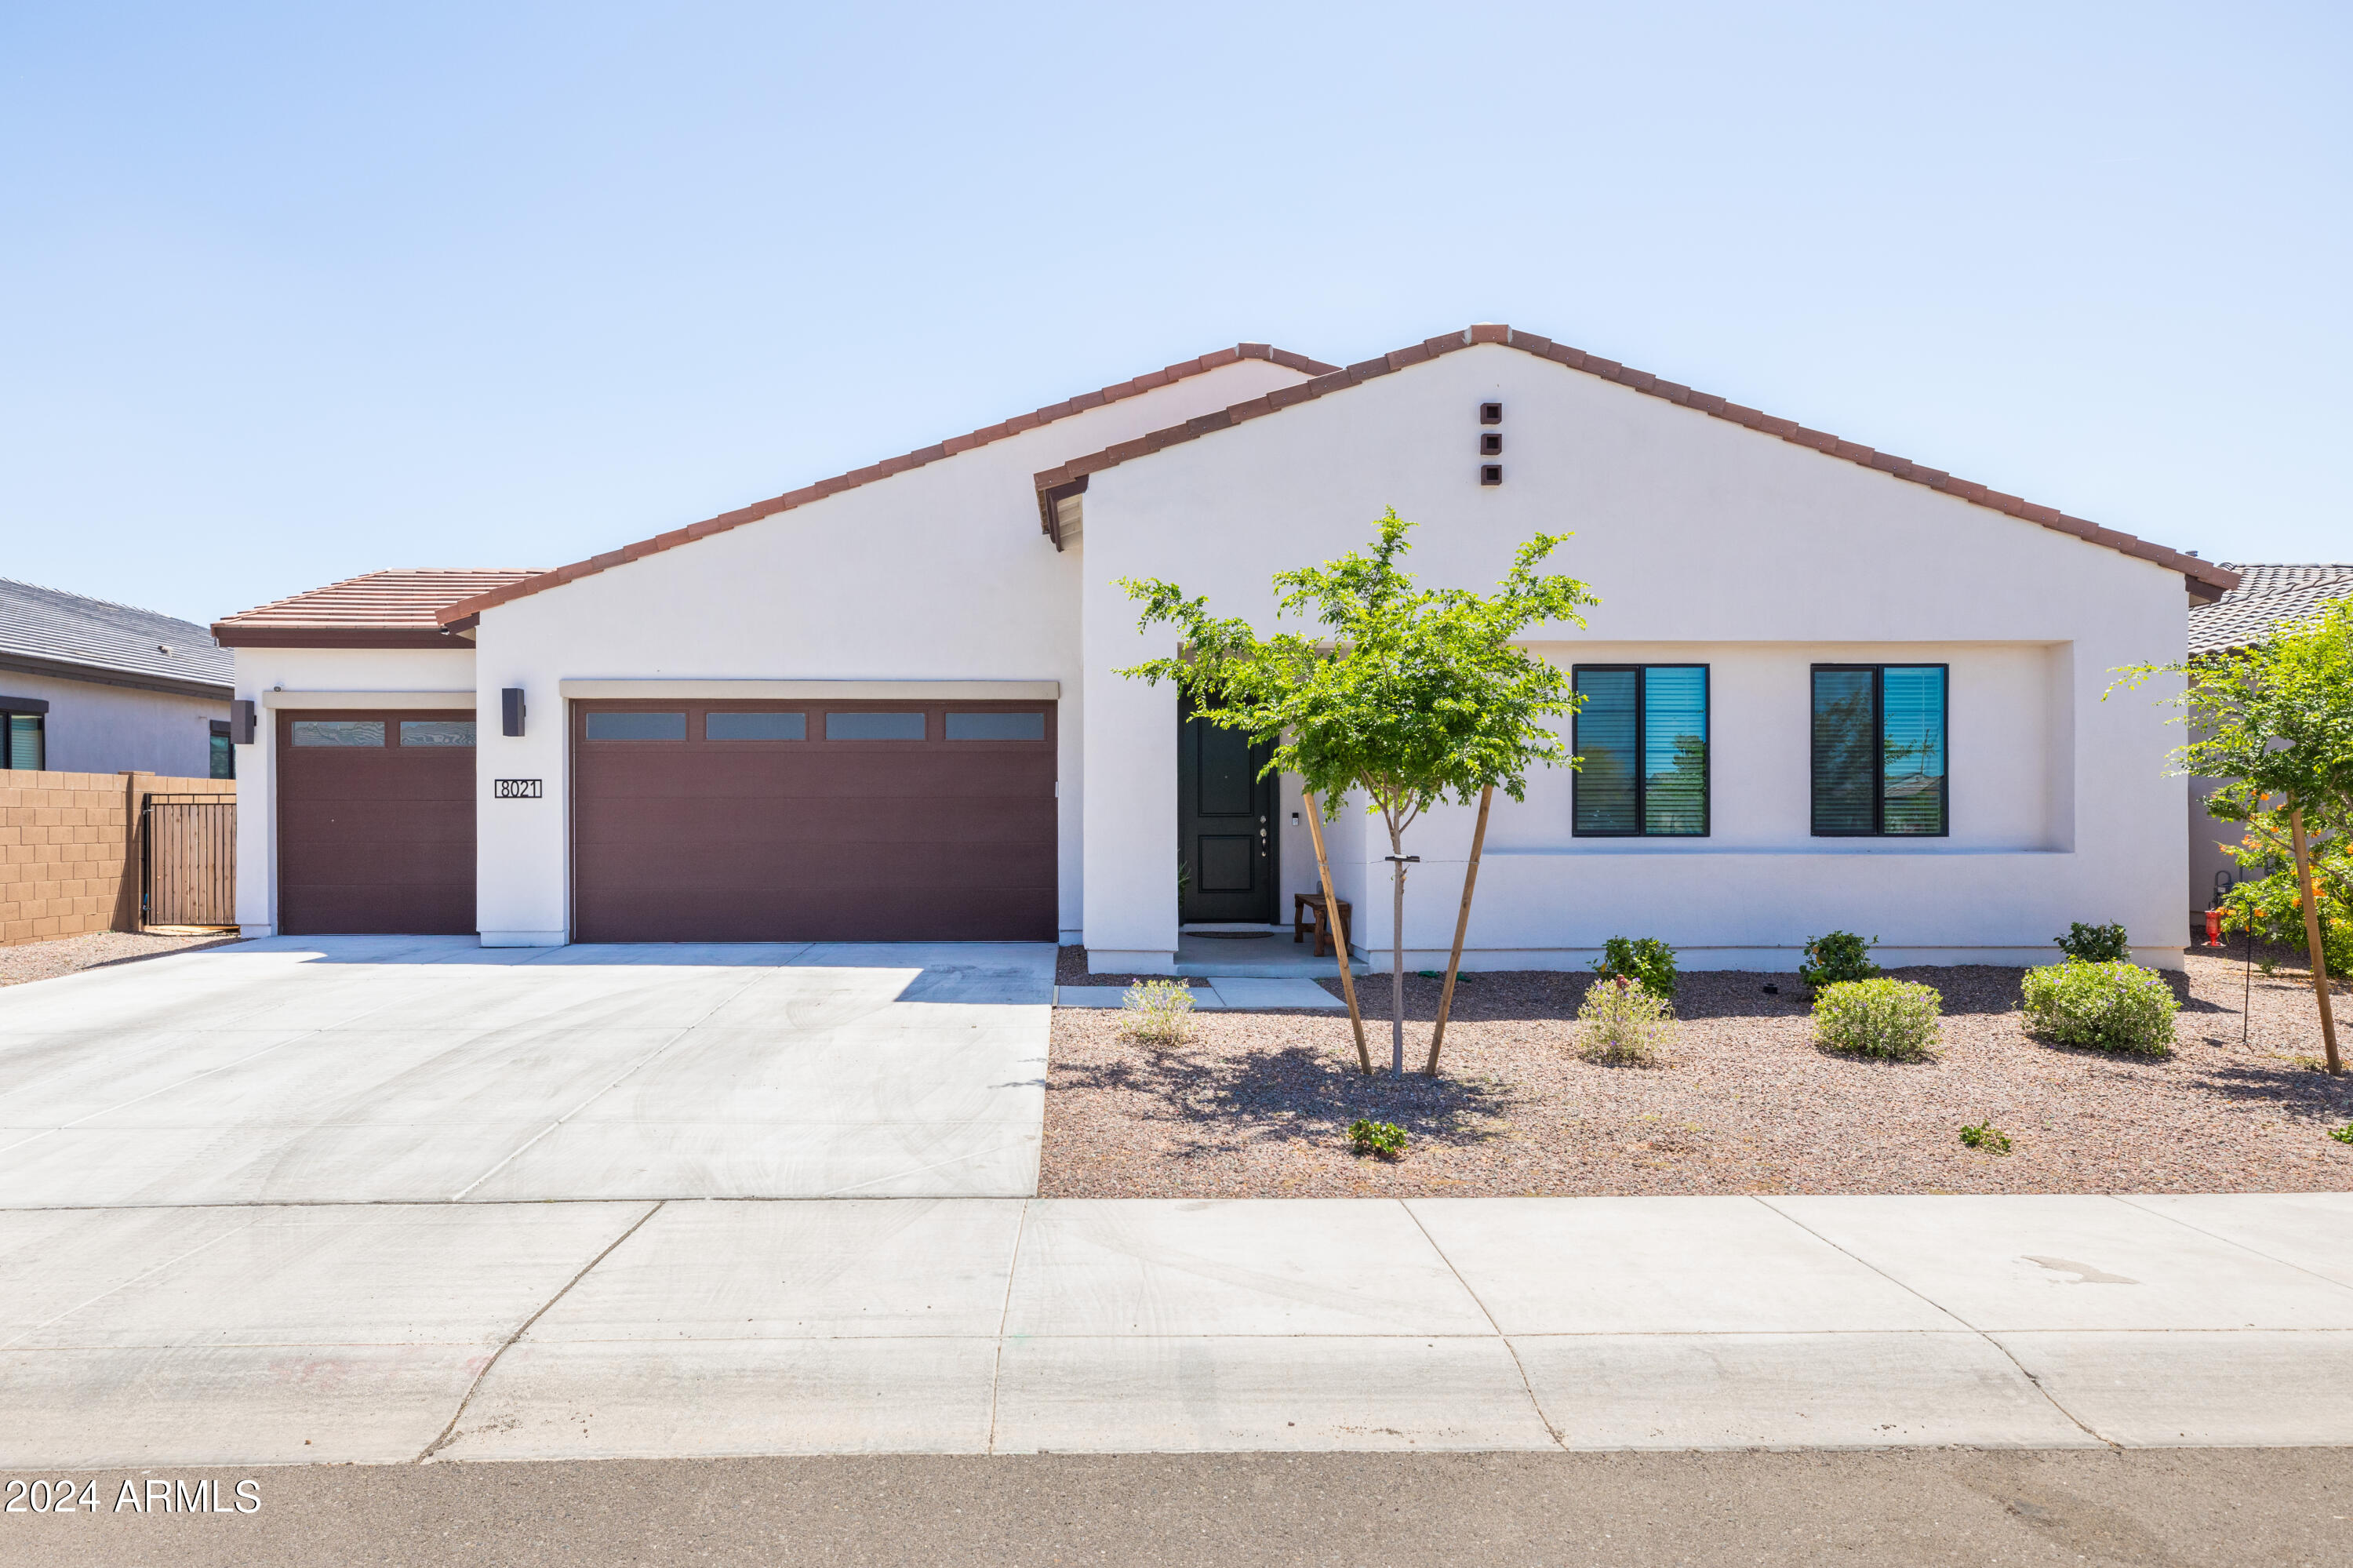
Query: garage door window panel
x,y
876,725
728,724
626,726
436,732
322,732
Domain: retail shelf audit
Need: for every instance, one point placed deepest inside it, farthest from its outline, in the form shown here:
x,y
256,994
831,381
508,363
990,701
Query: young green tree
x,y
2276,719
1411,695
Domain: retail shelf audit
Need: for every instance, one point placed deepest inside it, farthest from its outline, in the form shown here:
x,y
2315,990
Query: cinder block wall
x,y
68,855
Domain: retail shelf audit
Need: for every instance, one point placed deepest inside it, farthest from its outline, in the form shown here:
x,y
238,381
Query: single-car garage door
x,y
879,821
375,822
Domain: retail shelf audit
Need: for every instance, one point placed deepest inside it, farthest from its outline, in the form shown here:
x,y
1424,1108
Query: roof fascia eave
x,y
470,609
105,675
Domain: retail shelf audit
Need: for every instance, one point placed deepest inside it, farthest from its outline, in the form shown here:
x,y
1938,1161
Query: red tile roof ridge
x,y
2206,574
396,597
1151,381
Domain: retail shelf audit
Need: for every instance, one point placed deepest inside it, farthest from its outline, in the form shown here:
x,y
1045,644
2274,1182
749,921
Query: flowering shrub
x,y
1895,1018
1625,1022
2111,1006
1158,1012
2094,944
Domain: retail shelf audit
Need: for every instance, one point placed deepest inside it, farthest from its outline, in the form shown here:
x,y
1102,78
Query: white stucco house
x,y
1826,688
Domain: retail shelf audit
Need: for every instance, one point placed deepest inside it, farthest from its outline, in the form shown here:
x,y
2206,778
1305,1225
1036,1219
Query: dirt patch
x,y
70,955
1257,1103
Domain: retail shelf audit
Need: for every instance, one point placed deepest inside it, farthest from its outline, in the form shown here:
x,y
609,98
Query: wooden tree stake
x,y
1461,925
1339,931
2312,939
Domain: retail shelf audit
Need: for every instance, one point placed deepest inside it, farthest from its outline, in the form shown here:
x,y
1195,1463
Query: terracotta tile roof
x,y
2269,595
46,630
461,613
2273,577
2205,579
380,610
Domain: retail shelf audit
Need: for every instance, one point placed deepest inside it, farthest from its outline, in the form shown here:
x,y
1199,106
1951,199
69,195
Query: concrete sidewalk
x,y
388,1333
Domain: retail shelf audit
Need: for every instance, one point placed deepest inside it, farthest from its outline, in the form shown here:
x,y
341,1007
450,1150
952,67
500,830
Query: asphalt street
x,y
2233,1506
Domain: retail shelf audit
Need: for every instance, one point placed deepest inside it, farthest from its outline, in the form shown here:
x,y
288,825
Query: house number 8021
x,y
514,789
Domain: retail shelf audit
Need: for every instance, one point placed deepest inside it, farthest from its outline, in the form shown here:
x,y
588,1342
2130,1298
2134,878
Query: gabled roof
x,y
2268,595
2205,579
379,610
458,616
48,632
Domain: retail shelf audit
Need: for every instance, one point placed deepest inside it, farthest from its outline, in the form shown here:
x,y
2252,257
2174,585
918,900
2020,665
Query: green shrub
x,y
1384,1138
2094,944
1159,1011
2342,1134
1895,1018
1624,1022
1836,959
2111,1006
1985,1135
1645,960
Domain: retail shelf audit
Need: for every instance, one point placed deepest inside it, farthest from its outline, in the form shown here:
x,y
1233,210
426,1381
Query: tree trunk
x,y
2312,937
1397,954
1339,931
1461,925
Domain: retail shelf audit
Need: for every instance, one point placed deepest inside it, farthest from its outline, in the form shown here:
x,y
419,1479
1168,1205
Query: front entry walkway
x,y
428,1069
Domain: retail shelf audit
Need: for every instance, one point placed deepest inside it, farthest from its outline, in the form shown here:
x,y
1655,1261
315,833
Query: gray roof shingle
x,y
43,626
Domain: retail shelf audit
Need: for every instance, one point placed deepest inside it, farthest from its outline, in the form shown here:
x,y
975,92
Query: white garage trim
x,y
876,690
367,699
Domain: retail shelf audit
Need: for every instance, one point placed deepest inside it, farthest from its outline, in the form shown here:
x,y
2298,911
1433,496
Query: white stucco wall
x,y
97,728
1708,543
940,573
262,671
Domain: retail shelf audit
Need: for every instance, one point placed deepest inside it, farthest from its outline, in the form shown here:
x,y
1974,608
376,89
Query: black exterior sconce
x,y
511,711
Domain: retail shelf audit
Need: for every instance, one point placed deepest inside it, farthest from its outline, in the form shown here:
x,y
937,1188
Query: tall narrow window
x,y
224,751
1879,751
1642,744
24,742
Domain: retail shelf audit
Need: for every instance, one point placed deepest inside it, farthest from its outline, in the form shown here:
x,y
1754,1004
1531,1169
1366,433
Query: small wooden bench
x,y
1309,907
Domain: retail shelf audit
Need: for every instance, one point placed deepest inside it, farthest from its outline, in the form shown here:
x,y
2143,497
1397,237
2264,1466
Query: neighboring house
x,y
87,686
1827,688
2267,593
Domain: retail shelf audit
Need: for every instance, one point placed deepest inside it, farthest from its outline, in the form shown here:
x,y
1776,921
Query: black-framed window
x,y
224,751
26,745
1642,745
1879,751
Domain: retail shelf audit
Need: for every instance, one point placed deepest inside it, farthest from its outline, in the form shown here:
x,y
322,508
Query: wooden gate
x,y
188,845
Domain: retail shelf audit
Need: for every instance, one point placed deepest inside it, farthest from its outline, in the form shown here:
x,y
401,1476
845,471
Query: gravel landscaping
x,y
70,955
1257,1103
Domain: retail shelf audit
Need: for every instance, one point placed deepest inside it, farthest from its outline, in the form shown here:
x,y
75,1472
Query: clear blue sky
x,y
296,291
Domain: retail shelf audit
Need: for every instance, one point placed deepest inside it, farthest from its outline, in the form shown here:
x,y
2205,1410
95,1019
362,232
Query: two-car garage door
x,y
742,821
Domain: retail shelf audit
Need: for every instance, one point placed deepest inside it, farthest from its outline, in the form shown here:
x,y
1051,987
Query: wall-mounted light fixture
x,y
511,711
240,723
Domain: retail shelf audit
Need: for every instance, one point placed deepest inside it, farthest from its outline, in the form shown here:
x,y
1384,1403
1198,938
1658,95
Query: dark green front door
x,y
1225,825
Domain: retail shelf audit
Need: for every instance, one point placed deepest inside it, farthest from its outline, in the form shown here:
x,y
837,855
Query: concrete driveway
x,y
382,1069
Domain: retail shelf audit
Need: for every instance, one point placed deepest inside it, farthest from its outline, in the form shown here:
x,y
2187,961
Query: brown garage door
x,y
807,822
375,822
